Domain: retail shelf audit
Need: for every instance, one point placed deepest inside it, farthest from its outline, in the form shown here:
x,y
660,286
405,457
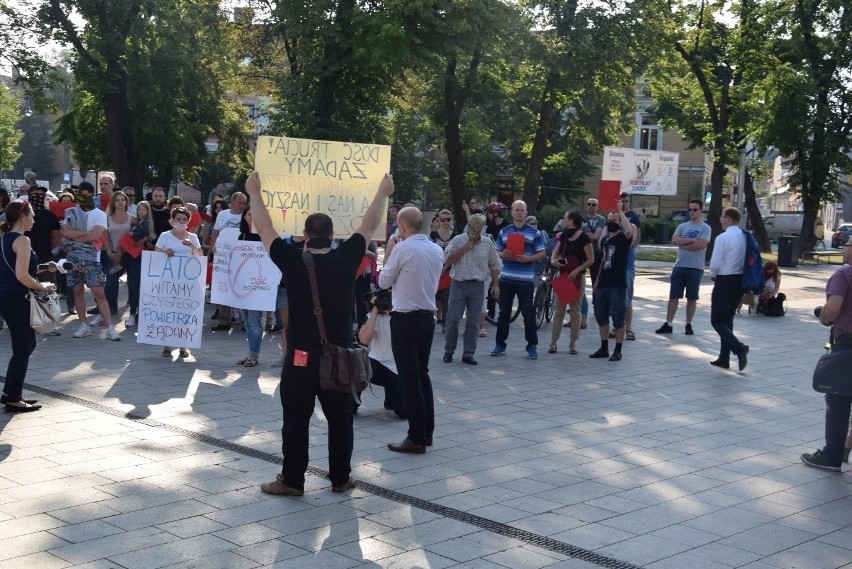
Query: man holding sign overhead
x,y
520,246
300,385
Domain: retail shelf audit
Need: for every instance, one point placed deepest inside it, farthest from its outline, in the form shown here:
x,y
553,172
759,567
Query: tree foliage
x,y
10,135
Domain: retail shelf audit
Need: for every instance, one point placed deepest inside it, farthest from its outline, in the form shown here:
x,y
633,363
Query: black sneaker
x,y
666,328
601,353
689,331
818,460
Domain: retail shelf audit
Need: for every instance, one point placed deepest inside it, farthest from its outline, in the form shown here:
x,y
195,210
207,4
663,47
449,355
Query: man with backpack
x,y
726,271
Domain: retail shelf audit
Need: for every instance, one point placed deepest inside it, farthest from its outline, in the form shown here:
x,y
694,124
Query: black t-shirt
x,y
614,261
45,223
336,282
575,248
494,229
161,220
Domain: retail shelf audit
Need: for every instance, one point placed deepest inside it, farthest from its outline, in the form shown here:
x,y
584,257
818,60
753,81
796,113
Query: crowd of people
x,y
438,275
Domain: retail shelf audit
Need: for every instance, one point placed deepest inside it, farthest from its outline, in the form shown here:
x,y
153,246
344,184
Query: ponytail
x,y
14,212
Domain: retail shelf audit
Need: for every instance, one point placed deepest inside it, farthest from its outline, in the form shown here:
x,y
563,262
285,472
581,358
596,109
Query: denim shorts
x,y
90,273
609,301
628,290
685,278
282,303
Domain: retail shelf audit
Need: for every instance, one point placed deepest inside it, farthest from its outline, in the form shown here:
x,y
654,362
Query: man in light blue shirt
x,y
691,239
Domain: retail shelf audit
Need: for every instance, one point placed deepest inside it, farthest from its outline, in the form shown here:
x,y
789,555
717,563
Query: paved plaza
x,y
659,460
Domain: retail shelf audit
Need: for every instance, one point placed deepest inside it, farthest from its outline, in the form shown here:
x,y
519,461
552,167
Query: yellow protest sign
x,y
301,176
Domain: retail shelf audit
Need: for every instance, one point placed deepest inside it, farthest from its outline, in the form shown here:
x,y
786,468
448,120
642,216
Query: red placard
x,y
444,281
608,195
565,289
58,208
365,262
515,244
194,221
130,246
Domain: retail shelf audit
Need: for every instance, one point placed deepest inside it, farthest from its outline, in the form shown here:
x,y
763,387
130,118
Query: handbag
x,y
344,370
833,373
45,313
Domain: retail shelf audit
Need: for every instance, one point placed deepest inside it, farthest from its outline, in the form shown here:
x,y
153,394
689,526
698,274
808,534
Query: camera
x,y
817,311
383,300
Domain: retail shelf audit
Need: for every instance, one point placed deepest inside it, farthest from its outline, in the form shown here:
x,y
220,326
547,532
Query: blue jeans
x,y
254,329
524,291
134,277
411,341
610,302
111,286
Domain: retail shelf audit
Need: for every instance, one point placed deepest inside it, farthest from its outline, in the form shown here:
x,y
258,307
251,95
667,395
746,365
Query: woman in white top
x,y
376,334
113,257
178,241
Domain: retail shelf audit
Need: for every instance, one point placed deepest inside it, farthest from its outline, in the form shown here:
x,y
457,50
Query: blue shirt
x,y
533,243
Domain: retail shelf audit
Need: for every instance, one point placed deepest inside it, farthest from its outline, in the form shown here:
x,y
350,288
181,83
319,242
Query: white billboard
x,y
648,172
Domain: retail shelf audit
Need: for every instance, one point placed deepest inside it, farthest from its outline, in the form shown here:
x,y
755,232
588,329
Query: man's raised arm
x,y
373,215
260,219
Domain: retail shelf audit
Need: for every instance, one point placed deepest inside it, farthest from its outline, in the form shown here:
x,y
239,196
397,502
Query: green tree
x,y
807,100
10,135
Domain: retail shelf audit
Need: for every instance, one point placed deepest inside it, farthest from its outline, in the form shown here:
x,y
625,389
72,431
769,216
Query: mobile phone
x,y
43,266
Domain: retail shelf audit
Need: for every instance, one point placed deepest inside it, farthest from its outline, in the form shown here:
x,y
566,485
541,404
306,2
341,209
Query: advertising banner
x,y
171,300
243,274
301,176
648,172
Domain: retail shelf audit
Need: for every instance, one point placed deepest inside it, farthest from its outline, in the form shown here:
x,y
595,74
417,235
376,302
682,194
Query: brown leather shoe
x,y
344,487
279,488
409,446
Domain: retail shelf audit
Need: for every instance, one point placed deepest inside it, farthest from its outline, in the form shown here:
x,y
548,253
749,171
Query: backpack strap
x,y
310,265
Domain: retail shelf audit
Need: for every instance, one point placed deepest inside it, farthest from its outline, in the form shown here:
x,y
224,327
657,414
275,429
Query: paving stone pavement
x,y
656,461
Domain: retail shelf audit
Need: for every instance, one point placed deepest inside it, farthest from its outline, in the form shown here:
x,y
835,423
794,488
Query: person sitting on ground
x,y
376,334
771,300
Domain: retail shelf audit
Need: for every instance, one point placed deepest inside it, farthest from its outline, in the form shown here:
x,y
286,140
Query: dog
x,y
747,300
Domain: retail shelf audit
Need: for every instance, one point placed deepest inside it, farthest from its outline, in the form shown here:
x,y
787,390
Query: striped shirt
x,y
533,243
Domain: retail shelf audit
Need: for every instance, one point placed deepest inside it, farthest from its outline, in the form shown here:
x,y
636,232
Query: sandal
x,y
630,335
551,349
573,351
183,353
250,362
583,325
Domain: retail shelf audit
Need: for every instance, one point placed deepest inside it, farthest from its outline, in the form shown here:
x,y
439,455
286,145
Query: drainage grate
x,y
478,521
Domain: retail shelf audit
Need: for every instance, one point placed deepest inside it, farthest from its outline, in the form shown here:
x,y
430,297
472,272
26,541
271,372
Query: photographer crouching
x,y
376,334
837,313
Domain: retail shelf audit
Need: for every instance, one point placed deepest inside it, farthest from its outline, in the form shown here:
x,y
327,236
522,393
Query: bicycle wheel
x,y
550,306
492,315
540,304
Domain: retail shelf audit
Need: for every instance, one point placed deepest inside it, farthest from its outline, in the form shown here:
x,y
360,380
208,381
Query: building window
x,y
649,137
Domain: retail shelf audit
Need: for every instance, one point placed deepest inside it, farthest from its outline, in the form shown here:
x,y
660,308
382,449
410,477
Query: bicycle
x,y
543,300
492,314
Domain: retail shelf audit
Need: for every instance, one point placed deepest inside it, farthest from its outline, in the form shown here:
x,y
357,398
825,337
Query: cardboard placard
x,y
515,244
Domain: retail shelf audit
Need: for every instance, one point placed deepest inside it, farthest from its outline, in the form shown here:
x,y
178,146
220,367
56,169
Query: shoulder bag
x,y
832,373
345,370
45,313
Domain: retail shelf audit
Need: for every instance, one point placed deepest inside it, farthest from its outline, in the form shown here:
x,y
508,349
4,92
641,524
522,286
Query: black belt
x,y
843,342
413,313
728,276
472,281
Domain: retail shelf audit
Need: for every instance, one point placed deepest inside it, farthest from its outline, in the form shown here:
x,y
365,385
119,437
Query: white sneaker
x,y
131,322
83,331
112,334
96,321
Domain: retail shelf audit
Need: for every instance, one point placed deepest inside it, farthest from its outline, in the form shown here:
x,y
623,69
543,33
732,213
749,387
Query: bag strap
x,y
4,253
310,265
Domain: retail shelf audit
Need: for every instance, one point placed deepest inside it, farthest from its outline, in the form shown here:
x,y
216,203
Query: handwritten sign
x,y
171,300
302,176
243,274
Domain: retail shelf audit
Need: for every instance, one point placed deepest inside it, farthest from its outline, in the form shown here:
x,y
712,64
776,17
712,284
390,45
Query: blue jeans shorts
x,y
282,303
609,301
685,278
89,273
628,291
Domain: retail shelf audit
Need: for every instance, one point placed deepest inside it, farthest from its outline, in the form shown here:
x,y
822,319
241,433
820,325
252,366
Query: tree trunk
x,y
119,127
807,237
714,218
757,225
539,148
452,142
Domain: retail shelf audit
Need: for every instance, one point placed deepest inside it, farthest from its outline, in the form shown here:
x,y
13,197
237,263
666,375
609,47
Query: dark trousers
x,y
394,397
111,286
524,291
837,409
411,341
134,279
299,389
16,313
727,292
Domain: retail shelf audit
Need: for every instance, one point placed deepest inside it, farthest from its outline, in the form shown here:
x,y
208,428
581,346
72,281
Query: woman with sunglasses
x,y
442,236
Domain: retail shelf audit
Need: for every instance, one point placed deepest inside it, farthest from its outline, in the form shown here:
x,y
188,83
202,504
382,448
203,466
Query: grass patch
x,y
664,256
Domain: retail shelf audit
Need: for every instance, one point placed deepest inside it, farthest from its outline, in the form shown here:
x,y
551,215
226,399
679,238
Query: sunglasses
x,y
592,204
445,219
693,209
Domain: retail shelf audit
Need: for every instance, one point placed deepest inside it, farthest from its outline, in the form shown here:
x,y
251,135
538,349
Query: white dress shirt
x,y
728,253
413,270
